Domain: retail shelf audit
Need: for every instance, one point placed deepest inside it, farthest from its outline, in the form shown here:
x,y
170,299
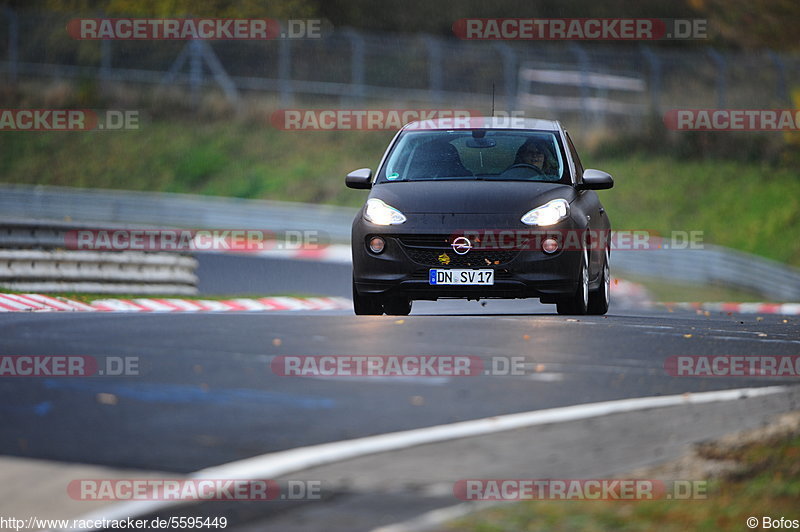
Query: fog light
x,y
376,244
550,245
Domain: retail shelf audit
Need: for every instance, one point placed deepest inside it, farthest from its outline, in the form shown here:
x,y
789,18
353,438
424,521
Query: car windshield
x,y
475,154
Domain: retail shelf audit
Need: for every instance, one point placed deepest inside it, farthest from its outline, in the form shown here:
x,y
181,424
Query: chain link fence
x,y
355,68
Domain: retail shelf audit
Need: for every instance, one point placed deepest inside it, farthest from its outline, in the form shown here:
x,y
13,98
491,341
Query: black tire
x,y
397,306
367,304
577,304
598,299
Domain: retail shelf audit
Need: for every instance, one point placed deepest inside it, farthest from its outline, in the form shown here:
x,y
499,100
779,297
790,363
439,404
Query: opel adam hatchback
x,y
489,208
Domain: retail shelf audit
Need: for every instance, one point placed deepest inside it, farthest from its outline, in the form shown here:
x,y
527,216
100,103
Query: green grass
x,y
240,159
767,483
744,206
747,206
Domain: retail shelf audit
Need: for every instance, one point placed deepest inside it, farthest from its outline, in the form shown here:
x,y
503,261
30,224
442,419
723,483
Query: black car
x,y
495,208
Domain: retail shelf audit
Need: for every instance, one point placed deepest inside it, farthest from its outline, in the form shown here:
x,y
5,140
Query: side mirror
x,y
596,180
361,178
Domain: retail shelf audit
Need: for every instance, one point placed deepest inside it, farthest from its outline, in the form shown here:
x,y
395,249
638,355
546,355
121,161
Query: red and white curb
x,y
789,309
42,303
633,295
34,302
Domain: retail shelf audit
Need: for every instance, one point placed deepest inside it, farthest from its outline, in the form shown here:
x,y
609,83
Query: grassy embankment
x,y
763,480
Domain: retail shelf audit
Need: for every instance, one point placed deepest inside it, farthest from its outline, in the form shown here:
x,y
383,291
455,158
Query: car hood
x,y
469,197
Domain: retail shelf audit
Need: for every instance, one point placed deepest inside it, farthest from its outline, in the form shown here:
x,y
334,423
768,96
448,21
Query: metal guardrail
x,y
714,265
710,265
33,258
172,210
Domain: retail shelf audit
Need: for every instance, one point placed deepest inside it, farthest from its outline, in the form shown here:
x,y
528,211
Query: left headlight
x,y
550,213
379,213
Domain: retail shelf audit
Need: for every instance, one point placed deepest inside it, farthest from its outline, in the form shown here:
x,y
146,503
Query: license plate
x,y
464,277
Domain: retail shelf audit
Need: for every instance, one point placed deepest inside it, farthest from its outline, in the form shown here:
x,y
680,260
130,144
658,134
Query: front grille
x,y
435,250
426,241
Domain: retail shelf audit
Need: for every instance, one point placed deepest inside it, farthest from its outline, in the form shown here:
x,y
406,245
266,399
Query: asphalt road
x,y
206,395
228,274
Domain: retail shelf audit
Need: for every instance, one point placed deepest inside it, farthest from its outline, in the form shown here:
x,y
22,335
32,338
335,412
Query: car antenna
x,y
493,99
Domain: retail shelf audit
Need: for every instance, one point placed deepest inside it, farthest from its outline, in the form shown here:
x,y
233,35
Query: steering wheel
x,y
524,165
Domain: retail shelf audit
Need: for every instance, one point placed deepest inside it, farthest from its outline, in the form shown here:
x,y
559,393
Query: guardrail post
x,y
105,60
722,76
285,72
655,79
510,70
782,88
583,66
435,80
195,71
13,43
219,73
357,77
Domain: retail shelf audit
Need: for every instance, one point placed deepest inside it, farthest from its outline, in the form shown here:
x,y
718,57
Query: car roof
x,y
485,122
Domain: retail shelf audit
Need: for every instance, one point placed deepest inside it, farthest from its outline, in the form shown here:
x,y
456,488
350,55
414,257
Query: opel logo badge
x,y
461,245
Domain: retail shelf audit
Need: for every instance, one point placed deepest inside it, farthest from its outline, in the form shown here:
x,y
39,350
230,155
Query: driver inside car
x,y
535,152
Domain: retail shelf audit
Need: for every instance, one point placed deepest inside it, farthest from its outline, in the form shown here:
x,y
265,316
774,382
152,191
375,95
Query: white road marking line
x,y
273,465
545,377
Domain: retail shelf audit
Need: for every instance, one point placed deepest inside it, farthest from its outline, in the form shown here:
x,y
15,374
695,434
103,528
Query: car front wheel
x,y
578,302
397,306
598,299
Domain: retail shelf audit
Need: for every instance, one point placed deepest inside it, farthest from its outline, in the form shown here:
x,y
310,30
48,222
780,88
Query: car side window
x,y
577,160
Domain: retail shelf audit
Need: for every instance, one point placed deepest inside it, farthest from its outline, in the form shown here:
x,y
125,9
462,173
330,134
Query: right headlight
x,y
550,213
379,213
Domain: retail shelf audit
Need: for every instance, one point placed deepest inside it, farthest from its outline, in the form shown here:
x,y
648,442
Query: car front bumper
x,y
402,269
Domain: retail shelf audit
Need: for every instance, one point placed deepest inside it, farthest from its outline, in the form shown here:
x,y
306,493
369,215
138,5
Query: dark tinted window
x,y
482,154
